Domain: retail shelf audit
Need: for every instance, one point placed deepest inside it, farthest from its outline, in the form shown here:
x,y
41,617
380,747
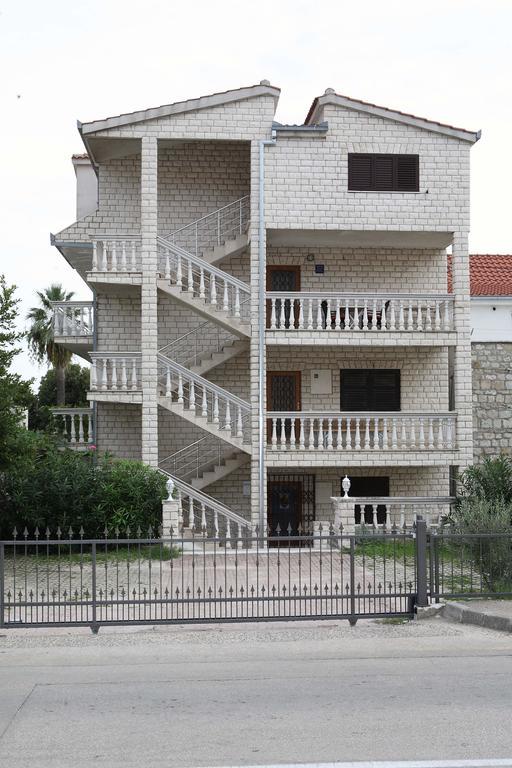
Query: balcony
x,y
116,259
73,326
116,377
75,426
360,318
414,438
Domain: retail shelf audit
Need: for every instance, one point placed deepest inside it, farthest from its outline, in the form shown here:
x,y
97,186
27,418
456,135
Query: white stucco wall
x,y
491,318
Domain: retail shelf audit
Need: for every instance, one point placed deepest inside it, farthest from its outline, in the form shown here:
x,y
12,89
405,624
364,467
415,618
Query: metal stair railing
x,y
229,413
196,459
226,223
202,513
201,280
205,340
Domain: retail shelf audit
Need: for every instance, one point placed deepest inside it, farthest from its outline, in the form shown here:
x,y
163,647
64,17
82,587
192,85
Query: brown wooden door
x,y
283,394
283,278
284,510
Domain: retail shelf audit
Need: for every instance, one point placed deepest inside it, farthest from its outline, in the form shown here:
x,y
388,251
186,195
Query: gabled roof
x,y
490,274
331,97
203,102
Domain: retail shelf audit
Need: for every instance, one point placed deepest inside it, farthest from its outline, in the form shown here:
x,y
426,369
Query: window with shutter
x,y
370,390
383,173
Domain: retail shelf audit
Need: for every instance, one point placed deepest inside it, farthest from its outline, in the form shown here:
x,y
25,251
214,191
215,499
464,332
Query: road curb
x,y
464,615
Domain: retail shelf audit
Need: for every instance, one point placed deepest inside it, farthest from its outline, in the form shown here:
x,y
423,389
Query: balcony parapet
x,y
117,254
73,319
116,372
379,313
388,512
392,431
75,425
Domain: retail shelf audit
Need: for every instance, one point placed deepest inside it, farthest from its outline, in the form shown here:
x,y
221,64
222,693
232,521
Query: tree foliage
x,y
41,338
15,394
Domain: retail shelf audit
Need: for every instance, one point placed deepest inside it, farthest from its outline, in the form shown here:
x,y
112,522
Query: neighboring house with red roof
x,y
491,347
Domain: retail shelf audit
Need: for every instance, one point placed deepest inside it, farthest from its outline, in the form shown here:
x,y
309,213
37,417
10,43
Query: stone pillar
x,y
254,343
463,399
149,313
170,518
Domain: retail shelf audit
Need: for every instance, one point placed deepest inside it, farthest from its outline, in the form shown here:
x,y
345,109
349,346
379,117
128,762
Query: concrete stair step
x,y
229,248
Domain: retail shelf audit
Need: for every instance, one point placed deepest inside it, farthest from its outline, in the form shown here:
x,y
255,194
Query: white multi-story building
x,y
271,310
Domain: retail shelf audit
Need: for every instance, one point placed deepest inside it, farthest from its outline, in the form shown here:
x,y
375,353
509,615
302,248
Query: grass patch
x,y
121,554
394,620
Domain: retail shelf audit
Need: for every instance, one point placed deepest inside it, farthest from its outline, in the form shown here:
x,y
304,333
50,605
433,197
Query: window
x,y
370,390
383,173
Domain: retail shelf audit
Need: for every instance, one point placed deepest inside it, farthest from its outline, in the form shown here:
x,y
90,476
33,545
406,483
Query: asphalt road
x,y
255,695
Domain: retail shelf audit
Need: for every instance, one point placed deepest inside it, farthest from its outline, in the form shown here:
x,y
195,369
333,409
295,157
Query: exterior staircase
x,y
187,273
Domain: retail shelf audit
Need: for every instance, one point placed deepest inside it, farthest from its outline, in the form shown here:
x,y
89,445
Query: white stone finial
x,y
170,487
345,484
329,91
264,82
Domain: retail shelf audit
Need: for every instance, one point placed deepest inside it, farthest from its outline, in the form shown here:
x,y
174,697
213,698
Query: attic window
x,y
383,173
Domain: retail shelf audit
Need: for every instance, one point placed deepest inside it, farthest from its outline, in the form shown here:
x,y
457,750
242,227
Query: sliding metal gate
x,y
69,581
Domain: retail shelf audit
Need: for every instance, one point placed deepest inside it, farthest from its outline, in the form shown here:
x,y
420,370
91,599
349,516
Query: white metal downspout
x,y
261,329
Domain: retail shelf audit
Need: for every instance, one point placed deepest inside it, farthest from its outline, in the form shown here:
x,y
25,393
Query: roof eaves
x,y
316,129
203,102
390,114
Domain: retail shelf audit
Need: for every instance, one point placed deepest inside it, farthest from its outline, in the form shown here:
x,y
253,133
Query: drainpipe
x,y
94,349
261,327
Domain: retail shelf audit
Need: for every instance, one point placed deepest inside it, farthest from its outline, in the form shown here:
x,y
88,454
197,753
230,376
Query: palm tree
x,y
41,338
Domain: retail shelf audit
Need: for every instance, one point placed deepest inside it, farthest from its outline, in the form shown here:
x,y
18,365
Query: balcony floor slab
x,y
119,396
305,459
360,339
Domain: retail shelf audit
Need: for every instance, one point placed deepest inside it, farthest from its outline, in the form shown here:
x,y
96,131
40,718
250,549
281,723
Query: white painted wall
x,y
86,187
491,318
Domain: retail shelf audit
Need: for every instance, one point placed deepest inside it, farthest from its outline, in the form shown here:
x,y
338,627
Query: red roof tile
x,y
490,274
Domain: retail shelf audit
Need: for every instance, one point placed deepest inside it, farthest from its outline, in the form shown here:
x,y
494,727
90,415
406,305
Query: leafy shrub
x,y
47,486
489,481
491,554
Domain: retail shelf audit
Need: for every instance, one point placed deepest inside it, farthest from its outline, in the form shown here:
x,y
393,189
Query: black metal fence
x,y
93,582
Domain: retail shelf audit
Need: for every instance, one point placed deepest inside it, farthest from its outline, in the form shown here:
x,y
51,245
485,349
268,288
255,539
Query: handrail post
x,y
352,618
2,584
421,563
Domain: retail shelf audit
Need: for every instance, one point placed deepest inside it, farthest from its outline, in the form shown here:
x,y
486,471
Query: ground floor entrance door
x,y
284,508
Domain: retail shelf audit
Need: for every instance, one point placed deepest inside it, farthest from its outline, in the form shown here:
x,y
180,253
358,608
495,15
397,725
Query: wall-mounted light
x,y
310,257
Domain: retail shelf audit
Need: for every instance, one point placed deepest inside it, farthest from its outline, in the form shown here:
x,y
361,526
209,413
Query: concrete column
x,y
462,354
149,313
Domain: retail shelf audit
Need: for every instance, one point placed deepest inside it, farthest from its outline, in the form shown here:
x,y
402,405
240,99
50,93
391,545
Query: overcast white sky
x,y
63,60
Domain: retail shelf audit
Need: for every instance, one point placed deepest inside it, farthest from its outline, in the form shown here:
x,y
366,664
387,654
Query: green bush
x,y
490,554
489,481
47,486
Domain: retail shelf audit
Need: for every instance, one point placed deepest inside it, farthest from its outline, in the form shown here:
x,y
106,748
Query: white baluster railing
x,y
229,413
208,517
75,425
73,318
224,224
203,281
115,371
116,254
389,512
381,431
384,313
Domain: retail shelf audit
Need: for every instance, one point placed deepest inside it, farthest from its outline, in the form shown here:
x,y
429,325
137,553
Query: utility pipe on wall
x,y
261,328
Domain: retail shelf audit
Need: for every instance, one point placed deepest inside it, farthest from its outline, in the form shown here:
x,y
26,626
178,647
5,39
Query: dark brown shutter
x,y
386,390
370,390
355,388
360,172
407,173
383,173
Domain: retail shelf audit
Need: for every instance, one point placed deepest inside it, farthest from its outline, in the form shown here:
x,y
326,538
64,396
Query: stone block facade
x,y
164,169
492,398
